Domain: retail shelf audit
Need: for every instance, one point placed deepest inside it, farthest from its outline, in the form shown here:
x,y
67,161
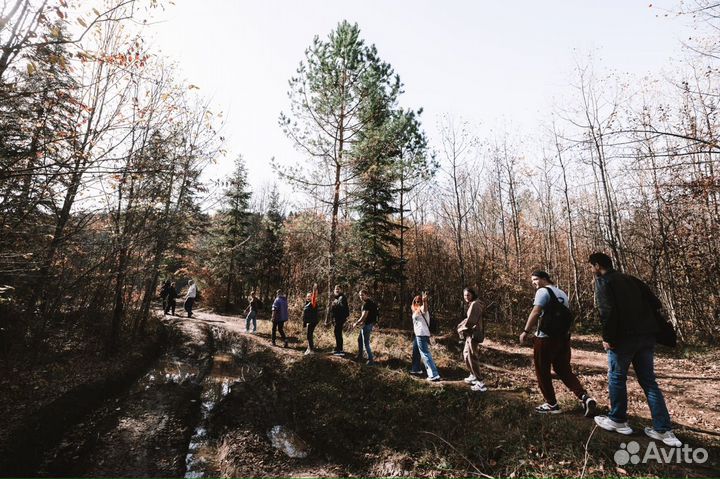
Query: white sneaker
x,y
667,437
470,379
478,386
610,425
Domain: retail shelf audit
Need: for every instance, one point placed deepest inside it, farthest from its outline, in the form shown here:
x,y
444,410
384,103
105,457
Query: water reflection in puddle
x,y
224,373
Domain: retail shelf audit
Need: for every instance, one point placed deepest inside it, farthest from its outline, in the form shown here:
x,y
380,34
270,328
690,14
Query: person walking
x,y
421,328
310,318
279,316
190,298
251,312
340,312
472,330
551,344
628,313
164,292
368,318
171,297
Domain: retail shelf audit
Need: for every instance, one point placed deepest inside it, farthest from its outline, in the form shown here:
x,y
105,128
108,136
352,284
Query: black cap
x,y
543,275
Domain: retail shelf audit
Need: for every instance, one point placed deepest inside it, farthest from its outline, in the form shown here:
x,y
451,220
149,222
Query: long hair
x,y
416,304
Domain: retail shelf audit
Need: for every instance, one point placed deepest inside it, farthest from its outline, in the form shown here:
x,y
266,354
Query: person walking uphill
x,y
251,311
550,320
628,313
164,292
190,298
279,316
310,318
368,318
472,330
172,295
340,311
421,328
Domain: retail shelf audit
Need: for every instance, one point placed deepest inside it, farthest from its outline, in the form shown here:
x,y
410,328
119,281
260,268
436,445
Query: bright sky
x,y
489,62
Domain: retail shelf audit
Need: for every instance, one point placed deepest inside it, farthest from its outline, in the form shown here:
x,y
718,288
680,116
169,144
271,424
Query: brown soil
x,y
204,408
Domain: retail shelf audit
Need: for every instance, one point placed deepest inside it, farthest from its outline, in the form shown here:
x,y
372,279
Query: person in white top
x,y
421,326
190,297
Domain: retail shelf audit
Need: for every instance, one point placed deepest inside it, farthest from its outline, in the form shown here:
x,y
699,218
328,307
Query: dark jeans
x,y
189,305
638,351
554,353
169,305
364,340
278,326
310,333
416,364
339,335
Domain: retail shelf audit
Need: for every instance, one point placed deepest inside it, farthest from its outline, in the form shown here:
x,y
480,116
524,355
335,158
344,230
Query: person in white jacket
x,y
421,327
190,297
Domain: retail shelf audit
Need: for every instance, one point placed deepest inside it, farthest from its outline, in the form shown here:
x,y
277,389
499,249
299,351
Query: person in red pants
x,y
551,344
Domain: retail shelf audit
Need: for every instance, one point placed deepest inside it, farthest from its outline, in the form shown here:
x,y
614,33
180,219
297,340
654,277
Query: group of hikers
x,y
630,314
169,295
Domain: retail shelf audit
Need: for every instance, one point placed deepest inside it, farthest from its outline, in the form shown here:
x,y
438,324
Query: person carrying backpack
x,y
631,326
164,292
550,321
279,317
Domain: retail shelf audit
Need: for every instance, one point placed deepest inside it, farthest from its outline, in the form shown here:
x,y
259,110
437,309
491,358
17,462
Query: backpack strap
x,y
552,295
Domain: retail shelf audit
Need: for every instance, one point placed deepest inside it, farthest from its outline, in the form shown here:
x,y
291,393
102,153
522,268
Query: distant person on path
x,y
310,318
472,330
171,297
251,311
551,345
190,298
164,292
368,318
279,316
340,311
628,310
421,327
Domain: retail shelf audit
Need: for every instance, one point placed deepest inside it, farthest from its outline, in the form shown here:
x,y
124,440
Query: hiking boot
x,y
433,379
273,343
339,353
359,357
478,386
589,405
546,408
610,425
371,362
417,373
470,379
286,344
667,437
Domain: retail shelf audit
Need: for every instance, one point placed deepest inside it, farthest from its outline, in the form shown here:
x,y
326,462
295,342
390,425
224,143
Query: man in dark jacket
x,y
629,326
340,311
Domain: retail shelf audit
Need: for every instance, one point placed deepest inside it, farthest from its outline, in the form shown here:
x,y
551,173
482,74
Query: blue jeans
x,y
639,352
423,343
252,315
416,364
364,340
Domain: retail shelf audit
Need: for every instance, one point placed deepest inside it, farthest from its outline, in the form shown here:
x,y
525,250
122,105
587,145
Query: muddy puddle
x,y
226,371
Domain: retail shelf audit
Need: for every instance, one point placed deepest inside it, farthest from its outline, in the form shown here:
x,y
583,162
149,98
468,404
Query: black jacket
x,y
340,308
310,314
627,306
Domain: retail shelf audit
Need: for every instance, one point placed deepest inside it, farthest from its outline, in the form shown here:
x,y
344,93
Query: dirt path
x,y
205,407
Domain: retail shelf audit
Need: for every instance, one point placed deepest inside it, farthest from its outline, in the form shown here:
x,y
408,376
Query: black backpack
x,y
557,317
